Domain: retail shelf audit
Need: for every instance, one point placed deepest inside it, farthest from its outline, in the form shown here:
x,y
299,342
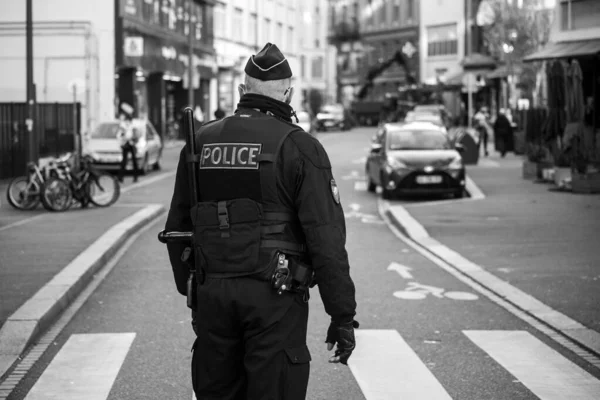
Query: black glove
x,y
343,335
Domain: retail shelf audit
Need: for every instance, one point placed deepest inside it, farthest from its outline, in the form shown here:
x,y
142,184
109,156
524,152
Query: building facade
x,y
243,27
152,58
102,53
443,45
367,32
575,36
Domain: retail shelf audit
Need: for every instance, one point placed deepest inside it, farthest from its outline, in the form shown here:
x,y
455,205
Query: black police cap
x,y
269,64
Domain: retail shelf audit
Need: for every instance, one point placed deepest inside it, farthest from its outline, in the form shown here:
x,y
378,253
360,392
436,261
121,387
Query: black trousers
x,y
251,342
125,151
483,139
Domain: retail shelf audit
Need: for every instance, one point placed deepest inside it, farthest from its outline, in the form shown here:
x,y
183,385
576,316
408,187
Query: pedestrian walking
x,y
503,134
128,138
268,223
483,127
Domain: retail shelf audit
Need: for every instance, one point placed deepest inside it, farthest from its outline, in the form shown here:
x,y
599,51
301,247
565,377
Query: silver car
x,y
103,146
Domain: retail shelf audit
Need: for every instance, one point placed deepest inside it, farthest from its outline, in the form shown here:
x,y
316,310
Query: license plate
x,y
329,123
429,179
109,159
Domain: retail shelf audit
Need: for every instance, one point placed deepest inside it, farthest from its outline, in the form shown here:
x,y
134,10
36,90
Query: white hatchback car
x,y
103,146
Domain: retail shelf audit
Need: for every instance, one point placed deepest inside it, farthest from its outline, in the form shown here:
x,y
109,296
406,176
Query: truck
x,y
371,112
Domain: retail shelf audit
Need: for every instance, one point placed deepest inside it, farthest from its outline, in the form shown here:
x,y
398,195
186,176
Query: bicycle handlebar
x,y
174,236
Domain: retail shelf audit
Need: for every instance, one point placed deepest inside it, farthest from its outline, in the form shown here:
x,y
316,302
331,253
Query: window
x,y
410,12
267,32
396,11
290,40
303,66
579,14
238,23
279,33
252,25
317,67
383,12
442,40
219,21
370,13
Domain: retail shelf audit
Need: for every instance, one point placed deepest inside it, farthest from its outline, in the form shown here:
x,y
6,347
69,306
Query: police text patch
x,y
230,156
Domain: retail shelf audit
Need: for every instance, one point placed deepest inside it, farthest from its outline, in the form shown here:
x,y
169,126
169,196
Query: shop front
x,y
152,60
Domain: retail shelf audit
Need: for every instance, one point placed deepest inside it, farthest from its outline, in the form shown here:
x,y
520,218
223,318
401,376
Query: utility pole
x,y
190,56
32,143
469,51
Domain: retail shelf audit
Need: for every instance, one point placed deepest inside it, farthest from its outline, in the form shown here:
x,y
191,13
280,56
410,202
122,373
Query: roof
x,y
577,48
418,125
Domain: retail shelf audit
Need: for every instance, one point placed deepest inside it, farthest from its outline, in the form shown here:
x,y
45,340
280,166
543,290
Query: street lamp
x,y
508,48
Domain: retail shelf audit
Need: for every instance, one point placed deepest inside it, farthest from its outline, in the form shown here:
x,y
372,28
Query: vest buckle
x,y
223,215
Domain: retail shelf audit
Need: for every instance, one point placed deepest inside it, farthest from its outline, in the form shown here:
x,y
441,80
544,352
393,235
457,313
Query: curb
x,y
40,311
536,313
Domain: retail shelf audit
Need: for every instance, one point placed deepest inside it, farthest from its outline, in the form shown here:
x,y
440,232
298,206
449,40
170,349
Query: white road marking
x,y
353,175
418,291
402,270
559,327
85,368
386,368
361,160
545,372
473,189
21,222
360,186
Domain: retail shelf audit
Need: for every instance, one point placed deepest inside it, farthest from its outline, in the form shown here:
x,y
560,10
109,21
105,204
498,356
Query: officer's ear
x,y
241,89
289,93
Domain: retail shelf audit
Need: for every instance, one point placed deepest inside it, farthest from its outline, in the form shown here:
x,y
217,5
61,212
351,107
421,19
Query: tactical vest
x,y
239,220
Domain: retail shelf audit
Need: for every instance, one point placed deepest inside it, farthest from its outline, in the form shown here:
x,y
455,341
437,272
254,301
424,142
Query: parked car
x,y
332,116
414,158
103,146
303,121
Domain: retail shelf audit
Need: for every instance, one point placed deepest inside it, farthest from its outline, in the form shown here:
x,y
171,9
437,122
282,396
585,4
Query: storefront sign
x,y
133,46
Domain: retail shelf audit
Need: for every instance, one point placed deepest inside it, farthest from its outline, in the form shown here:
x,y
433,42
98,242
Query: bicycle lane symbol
x,y
417,291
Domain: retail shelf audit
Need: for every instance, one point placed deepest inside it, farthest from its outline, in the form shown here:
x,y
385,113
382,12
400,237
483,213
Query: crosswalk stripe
x,y
386,368
360,186
545,372
85,368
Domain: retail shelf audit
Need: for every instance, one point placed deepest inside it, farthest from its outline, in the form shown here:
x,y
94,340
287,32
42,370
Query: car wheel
x,y
459,194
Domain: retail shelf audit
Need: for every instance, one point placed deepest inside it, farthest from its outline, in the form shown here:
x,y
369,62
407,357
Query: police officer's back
x,y
267,221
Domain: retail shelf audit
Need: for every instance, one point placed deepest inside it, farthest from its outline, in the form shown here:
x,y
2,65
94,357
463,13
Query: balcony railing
x,y
346,31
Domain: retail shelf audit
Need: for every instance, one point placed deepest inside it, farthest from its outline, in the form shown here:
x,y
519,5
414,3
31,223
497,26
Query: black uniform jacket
x,y
305,183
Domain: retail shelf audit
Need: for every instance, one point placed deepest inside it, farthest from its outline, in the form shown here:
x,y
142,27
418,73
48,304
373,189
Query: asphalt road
x,y
410,345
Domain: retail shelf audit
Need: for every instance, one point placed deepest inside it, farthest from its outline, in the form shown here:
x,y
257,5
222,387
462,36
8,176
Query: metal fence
x,y
56,127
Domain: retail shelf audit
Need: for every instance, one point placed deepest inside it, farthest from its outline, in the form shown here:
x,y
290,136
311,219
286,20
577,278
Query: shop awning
x,y
503,71
566,49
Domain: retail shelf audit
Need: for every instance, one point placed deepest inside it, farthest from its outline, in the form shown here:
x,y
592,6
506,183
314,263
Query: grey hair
x,y
274,89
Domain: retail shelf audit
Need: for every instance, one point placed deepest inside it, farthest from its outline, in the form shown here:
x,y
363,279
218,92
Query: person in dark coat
x,y
267,198
503,134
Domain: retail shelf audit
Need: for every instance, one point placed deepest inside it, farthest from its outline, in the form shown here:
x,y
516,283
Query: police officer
x,y
268,223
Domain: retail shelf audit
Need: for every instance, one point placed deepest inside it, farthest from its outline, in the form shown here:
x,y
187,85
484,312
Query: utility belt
x,y
290,275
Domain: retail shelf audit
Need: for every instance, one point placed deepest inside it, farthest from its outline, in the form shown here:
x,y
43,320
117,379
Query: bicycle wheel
x,y
23,194
56,195
103,189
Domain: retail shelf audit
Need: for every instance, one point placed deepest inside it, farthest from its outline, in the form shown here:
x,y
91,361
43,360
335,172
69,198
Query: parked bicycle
x,y
86,186
23,192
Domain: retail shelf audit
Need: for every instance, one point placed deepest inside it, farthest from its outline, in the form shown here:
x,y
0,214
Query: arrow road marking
x,y
402,270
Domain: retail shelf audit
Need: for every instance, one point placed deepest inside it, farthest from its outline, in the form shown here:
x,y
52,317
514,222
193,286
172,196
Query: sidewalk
x,y
46,259
543,242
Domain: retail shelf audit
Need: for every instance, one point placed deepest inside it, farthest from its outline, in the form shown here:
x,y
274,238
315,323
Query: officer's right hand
x,y
343,335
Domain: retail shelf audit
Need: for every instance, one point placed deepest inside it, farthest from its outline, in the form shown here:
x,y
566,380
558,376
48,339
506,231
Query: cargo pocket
x,y
296,370
228,235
